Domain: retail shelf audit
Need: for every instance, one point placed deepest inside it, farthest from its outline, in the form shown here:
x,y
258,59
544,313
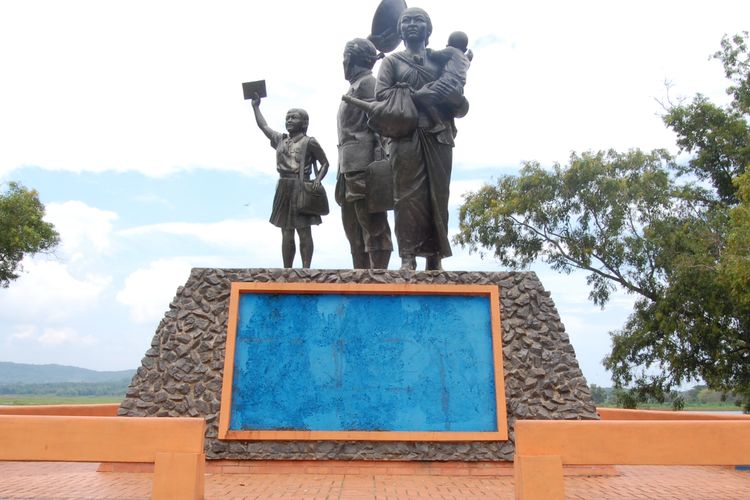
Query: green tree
x,y
602,213
735,263
626,399
678,401
627,220
718,136
642,222
598,394
22,230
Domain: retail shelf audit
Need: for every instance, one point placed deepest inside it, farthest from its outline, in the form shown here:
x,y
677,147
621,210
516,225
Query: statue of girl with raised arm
x,y
294,151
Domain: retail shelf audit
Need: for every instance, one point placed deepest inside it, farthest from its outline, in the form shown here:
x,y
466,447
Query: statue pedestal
x,y
183,372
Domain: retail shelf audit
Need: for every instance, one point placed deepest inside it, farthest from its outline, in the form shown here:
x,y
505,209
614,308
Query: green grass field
x,y
688,407
20,399
714,407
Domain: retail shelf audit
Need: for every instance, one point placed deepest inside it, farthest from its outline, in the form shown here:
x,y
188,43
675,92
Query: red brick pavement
x,y
81,481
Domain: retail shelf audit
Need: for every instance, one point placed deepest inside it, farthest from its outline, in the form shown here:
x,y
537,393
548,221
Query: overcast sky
x,y
128,119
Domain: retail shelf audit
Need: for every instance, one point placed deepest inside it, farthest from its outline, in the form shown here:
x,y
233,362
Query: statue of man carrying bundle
x,y
360,155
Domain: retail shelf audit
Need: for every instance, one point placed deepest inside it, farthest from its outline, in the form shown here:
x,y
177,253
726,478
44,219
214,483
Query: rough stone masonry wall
x,y
181,374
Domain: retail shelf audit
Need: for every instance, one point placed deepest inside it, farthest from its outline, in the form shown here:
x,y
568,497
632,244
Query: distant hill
x,y
14,373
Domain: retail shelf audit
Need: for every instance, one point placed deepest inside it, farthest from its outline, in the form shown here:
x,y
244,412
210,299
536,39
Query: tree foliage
x,y
735,264
655,228
606,213
718,137
22,230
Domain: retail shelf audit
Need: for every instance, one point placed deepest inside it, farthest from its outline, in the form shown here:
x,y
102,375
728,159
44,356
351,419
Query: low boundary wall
x,y
98,410
543,447
174,445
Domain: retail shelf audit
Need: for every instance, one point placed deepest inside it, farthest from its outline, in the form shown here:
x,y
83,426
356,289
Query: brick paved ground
x,y
81,481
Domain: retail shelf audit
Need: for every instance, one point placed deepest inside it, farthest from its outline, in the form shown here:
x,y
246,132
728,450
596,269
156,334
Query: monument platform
x,y
182,374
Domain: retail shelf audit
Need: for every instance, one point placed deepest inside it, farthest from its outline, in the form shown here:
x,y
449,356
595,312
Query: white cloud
x,y
462,260
23,332
148,291
230,233
47,291
49,336
169,99
166,100
153,199
256,242
242,242
84,230
332,249
63,335
460,188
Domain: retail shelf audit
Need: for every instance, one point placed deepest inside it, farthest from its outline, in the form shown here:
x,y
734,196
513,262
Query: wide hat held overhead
x,y
384,35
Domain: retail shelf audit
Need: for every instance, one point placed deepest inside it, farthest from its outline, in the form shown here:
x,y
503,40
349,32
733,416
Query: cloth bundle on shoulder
x,y
394,117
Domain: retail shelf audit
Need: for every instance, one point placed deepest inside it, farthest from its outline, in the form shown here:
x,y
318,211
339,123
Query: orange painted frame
x,y
491,291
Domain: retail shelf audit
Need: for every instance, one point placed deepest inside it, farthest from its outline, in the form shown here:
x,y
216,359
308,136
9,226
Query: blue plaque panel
x,y
349,362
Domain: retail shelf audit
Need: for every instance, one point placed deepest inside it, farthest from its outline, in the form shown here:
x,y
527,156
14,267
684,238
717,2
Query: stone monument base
x,y
181,374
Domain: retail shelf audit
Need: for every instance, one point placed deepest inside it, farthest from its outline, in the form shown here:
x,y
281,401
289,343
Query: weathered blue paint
x,y
363,362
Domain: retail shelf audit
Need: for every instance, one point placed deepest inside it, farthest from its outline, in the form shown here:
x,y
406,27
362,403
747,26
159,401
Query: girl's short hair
x,y
304,115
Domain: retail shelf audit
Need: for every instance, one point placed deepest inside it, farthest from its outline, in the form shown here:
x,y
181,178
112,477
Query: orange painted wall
x,y
104,410
623,414
174,445
544,446
641,442
95,439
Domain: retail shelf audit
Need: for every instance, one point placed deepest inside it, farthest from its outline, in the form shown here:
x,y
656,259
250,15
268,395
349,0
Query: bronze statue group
x,y
395,148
